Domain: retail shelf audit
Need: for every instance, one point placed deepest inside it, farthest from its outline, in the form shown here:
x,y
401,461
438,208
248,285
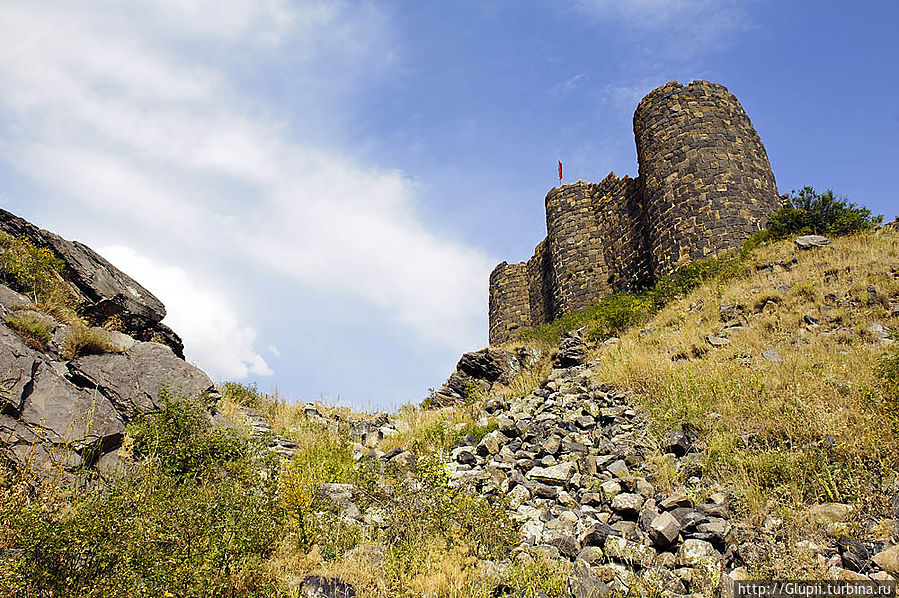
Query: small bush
x,y
81,339
195,518
247,395
181,439
324,459
29,269
32,327
809,212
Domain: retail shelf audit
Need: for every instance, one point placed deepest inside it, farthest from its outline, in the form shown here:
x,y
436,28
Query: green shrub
x,y
196,517
247,395
147,535
810,212
180,438
425,508
33,270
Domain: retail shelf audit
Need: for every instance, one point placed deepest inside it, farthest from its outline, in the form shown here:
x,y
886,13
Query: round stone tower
x,y
705,177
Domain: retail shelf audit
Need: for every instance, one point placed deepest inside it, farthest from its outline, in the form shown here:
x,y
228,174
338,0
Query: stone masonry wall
x,y
510,307
539,273
576,250
618,209
705,185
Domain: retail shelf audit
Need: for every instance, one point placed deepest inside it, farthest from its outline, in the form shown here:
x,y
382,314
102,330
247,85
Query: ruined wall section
x,y
510,306
706,181
618,209
540,276
576,250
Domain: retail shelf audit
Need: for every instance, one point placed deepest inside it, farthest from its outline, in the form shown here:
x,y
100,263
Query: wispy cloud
x,y
134,116
672,29
570,84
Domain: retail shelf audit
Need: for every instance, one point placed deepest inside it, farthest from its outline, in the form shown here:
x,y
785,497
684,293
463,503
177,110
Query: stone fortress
x,y
704,186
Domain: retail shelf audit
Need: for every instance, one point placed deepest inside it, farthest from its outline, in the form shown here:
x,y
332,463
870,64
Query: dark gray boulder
x,y
103,290
132,380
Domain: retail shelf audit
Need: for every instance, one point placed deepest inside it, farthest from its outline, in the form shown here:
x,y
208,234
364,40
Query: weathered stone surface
x,y
855,555
583,583
888,559
627,552
12,300
557,474
627,505
811,241
664,530
695,552
132,380
104,290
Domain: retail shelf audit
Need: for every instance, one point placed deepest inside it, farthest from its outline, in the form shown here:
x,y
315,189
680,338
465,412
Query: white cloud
x,y
669,29
570,84
213,337
135,116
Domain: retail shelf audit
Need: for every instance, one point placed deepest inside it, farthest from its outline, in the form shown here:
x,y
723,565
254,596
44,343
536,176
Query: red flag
x,y
560,171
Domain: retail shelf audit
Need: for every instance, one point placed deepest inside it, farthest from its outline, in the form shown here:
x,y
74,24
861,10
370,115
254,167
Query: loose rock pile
x,y
571,458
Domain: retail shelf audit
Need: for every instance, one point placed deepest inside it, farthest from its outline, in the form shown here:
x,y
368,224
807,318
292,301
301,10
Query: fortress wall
x,y
539,274
705,177
510,307
619,215
576,251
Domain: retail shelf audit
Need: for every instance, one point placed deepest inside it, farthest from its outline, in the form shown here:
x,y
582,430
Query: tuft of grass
x,y
81,339
33,327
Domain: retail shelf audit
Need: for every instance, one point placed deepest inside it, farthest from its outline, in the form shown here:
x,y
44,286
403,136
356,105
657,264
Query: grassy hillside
x,y
778,361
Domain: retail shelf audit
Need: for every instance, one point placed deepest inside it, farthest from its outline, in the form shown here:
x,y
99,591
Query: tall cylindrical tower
x,y
705,177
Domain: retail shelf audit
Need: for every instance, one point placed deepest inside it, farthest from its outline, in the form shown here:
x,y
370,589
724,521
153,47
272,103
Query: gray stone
x,y
772,355
627,505
888,559
717,341
315,586
103,290
403,460
14,301
133,380
855,555
693,552
557,474
583,583
811,241
627,552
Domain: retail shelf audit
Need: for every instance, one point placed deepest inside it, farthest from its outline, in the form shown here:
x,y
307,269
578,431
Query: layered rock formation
x,y
705,185
64,414
103,290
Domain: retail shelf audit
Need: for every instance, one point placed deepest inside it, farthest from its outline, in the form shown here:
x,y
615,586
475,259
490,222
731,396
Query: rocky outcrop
x,y
103,290
480,370
59,415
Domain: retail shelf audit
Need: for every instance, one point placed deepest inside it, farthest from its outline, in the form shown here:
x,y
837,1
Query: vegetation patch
x,y
33,327
82,339
195,517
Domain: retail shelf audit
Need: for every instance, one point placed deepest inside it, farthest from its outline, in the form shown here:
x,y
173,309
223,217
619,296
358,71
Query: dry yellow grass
x,y
781,435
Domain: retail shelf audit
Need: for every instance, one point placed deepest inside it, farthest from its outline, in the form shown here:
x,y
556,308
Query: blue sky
x,y
318,190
